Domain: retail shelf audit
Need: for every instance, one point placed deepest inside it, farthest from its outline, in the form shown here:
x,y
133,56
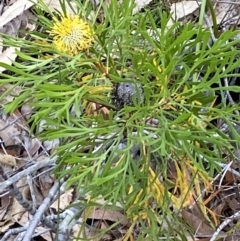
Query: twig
x,y
232,20
28,171
43,172
13,231
226,167
40,212
14,121
224,171
62,189
234,172
22,200
40,233
30,184
59,216
224,224
72,216
20,236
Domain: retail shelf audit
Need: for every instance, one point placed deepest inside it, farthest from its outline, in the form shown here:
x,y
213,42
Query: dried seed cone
x,y
127,93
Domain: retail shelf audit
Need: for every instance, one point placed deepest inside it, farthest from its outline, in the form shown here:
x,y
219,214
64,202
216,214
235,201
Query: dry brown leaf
x,y
105,214
16,211
230,177
234,205
34,147
26,111
38,194
64,200
5,202
199,226
232,237
76,230
45,188
102,201
99,217
8,134
41,158
20,123
3,212
93,233
218,210
25,217
4,225
15,137
16,120
45,181
45,235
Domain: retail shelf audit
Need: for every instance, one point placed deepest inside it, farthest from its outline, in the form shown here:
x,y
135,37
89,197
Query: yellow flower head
x,y
71,34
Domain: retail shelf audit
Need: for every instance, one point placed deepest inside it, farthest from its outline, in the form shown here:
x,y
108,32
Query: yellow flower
x,y
71,34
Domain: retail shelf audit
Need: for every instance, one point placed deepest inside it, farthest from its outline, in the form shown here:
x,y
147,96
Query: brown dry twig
x,y
71,218
38,217
11,180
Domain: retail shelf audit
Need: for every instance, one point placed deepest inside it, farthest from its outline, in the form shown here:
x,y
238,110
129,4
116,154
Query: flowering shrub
x,y
127,104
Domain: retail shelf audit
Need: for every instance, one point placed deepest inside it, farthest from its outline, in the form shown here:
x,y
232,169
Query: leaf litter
x,y
205,208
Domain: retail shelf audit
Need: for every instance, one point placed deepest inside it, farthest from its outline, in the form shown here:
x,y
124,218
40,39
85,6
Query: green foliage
x,y
167,61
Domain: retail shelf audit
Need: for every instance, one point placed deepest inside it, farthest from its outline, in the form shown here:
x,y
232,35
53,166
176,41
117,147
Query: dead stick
x,y
26,172
41,210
